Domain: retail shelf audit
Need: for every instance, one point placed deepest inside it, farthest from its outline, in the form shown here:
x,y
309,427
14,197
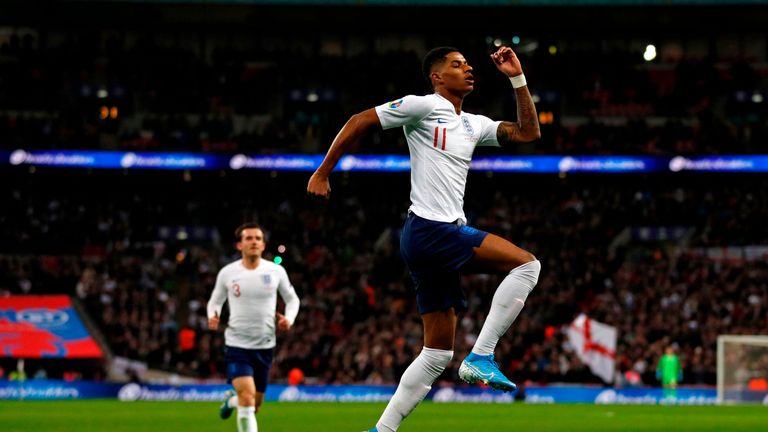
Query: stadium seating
x,y
144,91
632,253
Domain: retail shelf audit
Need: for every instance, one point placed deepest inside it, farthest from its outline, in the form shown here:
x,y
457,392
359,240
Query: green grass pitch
x,y
114,416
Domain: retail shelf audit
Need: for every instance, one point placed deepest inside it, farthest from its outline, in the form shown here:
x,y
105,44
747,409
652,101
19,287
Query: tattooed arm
x,y
527,127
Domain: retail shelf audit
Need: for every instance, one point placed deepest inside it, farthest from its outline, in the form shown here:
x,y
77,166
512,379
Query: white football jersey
x,y
441,144
252,297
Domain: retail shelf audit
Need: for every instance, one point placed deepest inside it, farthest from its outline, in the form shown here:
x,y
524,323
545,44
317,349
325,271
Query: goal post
x,y
742,369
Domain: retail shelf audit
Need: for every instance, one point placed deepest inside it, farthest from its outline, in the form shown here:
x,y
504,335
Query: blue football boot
x,y
225,411
477,368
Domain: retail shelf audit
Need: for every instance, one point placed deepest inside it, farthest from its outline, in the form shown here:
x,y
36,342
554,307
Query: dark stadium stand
x,y
139,250
629,253
230,87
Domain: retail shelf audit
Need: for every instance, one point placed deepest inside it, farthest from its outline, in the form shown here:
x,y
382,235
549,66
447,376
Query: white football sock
x,y
507,303
414,385
232,402
246,419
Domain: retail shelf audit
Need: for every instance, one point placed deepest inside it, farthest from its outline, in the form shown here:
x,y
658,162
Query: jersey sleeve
x,y
488,129
218,296
407,110
288,294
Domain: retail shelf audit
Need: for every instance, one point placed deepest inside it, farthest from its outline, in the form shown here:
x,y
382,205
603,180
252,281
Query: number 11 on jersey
x,y
437,133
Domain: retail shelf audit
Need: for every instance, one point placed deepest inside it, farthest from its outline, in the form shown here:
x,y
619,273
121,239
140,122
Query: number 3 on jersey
x,y
236,290
437,133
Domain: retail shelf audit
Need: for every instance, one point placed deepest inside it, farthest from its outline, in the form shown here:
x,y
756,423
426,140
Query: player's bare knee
x,y
519,259
527,257
531,257
246,398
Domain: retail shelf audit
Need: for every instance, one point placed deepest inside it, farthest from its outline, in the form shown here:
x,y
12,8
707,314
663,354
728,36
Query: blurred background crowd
x,y
613,89
668,260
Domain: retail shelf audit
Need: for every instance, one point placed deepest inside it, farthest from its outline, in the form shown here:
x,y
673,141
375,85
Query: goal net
x,y
742,369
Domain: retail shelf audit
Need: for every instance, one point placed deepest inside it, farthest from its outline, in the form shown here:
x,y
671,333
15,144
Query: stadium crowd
x,y
627,254
185,92
140,250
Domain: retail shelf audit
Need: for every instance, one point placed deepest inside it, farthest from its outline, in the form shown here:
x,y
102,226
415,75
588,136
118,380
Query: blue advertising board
x,y
128,392
57,390
378,163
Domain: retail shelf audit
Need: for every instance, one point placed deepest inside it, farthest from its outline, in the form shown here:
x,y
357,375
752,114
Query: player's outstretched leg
x,y
414,385
226,408
479,366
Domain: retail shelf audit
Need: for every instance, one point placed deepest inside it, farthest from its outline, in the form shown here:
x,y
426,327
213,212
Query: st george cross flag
x,y
595,344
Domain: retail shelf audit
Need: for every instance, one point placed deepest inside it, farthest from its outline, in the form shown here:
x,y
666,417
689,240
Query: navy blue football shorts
x,y
436,253
249,362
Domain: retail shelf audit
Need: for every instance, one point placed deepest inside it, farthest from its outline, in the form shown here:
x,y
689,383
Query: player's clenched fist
x,y
282,322
319,185
213,322
507,62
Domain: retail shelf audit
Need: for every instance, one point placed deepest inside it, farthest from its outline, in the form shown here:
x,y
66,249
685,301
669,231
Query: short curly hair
x,y
434,56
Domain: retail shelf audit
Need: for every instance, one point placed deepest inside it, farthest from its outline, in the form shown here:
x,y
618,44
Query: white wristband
x,y
518,81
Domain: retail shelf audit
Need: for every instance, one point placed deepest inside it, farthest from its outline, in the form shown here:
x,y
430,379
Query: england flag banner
x,y
595,344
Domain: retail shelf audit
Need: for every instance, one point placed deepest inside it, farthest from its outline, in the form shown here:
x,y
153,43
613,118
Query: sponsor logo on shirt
x,y
441,121
396,104
467,125
468,230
